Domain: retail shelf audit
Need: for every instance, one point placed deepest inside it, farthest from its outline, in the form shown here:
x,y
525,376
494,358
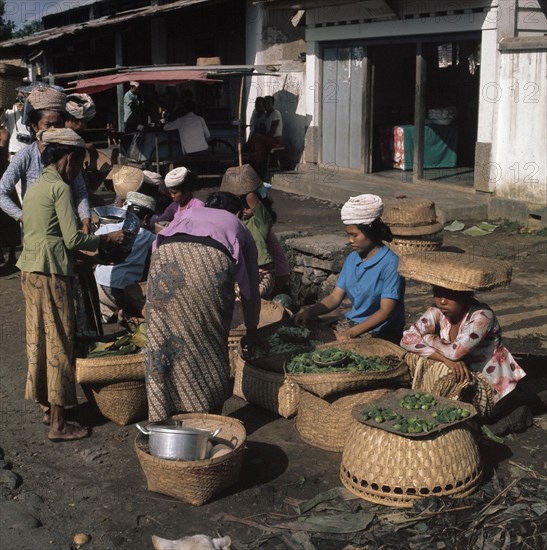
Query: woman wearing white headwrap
x,y
369,277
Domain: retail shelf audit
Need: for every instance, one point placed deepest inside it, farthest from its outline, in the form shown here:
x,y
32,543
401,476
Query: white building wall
x,y
518,169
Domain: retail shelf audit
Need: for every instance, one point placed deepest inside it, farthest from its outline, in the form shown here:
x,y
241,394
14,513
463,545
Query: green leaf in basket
x,y
340,523
100,346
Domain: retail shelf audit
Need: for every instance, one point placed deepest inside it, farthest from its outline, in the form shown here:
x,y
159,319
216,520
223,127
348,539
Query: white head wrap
x,y
80,106
134,83
62,136
363,209
139,199
152,178
176,177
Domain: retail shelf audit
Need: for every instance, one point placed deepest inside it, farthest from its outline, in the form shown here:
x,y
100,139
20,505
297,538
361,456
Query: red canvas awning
x,y
101,83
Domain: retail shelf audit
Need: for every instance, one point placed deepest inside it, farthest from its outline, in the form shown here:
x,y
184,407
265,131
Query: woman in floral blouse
x,y
464,336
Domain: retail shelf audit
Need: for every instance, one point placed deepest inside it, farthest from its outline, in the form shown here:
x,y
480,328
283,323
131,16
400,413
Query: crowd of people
x,y
198,258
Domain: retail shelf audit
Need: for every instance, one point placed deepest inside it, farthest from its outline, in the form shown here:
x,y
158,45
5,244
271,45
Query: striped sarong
x,y
189,306
435,377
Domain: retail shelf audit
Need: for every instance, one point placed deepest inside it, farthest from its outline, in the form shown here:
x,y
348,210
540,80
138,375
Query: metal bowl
x,y
109,214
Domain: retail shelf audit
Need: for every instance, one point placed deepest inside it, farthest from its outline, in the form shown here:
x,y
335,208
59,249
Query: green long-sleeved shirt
x,y
260,226
51,227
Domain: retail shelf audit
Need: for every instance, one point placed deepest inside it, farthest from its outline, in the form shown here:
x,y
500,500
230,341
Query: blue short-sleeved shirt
x,y
367,282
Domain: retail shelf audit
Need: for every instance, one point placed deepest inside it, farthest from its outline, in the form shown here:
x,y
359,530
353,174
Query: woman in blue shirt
x,y
369,277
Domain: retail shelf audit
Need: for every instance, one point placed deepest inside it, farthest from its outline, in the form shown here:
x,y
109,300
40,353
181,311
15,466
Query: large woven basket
x,y
325,423
467,272
407,245
408,212
331,383
121,368
270,390
121,402
394,470
196,481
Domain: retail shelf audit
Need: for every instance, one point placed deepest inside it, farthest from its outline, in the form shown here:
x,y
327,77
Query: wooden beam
x,y
419,114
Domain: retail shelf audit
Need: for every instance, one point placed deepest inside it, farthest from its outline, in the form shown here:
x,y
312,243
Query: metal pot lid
x,y
174,429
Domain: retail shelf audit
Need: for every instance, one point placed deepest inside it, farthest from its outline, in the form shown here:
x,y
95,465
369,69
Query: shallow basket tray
x,y
119,368
325,423
196,481
331,383
270,390
389,469
275,363
392,400
121,402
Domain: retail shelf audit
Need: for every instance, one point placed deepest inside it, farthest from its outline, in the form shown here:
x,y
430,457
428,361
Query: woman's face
x,y
49,119
179,196
358,240
453,304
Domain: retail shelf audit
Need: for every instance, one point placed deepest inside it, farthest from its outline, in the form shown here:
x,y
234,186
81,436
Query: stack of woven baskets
x,y
327,399
115,385
413,224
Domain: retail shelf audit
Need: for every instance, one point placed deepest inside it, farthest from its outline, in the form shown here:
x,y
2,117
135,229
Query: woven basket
x,y
431,231
11,77
275,363
270,390
120,368
465,272
325,423
394,470
404,246
196,481
408,212
332,383
122,402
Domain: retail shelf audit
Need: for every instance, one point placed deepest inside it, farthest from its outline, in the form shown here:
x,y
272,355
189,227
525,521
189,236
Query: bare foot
x,y
46,418
68,432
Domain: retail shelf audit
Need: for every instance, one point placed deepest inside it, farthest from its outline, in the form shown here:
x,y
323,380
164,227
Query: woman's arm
x,y
79,189
387,307
326,305
14,172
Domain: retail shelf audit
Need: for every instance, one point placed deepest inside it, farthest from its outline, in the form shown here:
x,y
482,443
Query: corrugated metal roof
x,y
117,19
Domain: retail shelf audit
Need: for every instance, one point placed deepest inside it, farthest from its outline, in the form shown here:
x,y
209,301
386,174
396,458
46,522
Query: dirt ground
x,y
51,491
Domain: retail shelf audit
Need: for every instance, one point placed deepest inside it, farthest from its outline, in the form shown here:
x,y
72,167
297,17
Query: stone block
x,y
334,266
326,247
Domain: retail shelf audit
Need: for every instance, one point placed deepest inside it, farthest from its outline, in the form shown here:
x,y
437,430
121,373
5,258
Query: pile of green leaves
x,y
414,425
380,414
305,364
446,415
125,344
422,401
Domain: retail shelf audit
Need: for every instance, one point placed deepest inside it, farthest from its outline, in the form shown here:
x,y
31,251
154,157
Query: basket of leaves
x,y
348,365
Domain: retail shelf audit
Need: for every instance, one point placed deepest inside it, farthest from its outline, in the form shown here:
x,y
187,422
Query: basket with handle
x,y
196,481
325,423
330,383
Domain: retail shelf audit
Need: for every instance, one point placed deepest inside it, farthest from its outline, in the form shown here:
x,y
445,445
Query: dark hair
x,y
377,231
268,205
189,106
269,98
190,183
35,115
54,152
224,201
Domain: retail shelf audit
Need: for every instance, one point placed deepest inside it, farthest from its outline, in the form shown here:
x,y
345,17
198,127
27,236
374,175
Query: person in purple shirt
x,y
190,299
180,184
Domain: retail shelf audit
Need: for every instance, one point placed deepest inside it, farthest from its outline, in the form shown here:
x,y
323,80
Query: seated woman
x,y
456,348
369,277
259,218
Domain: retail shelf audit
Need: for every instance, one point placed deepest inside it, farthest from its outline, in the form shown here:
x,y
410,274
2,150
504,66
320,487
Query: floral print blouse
x,y
478,343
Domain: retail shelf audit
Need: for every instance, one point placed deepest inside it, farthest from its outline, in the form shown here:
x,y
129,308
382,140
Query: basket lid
x,y
408,212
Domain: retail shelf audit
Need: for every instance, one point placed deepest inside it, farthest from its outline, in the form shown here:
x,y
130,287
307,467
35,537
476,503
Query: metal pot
x,y
177,442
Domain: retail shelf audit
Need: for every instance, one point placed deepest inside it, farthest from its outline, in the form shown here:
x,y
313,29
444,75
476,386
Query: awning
x,y
101,83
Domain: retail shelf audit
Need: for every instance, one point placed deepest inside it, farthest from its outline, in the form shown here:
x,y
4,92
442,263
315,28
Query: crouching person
x,y
455,347
112,280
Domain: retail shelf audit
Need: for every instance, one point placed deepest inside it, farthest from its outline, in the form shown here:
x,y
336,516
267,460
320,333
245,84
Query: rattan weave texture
x,y
393,470
197,481
119,368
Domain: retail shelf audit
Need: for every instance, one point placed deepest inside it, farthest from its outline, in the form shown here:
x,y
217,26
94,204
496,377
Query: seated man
x,y
193,132
262,143
113,279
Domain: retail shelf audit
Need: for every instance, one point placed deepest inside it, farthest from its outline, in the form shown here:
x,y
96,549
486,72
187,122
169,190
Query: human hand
x,y
459,370
302,318
115,237
86,226
345,335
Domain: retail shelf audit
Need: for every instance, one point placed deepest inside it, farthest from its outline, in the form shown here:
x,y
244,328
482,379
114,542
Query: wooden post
x,y
240,160
419,115
119,87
